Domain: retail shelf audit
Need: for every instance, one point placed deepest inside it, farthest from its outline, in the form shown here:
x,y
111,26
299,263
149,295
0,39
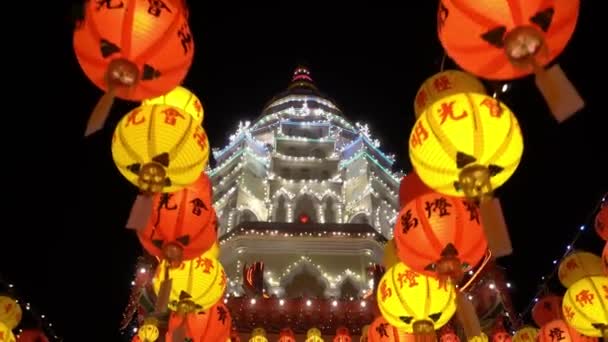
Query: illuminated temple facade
x,y
308,193
310,196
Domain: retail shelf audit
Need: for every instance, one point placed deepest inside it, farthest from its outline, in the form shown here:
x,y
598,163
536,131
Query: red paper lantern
x,y
183,224
505,39
32,335
286,335
381,331
440,235
499,333
547,309
234,336
411,187
342,335
138,49
447,334
601,222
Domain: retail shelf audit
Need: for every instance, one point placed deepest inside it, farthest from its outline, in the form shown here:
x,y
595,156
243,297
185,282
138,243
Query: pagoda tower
x,y
305,201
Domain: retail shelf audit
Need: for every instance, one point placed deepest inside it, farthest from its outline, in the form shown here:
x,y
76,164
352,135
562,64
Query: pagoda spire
x,y
301,78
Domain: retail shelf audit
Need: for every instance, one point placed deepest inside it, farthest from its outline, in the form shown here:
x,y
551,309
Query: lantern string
x,y
544,286
8,288
442,67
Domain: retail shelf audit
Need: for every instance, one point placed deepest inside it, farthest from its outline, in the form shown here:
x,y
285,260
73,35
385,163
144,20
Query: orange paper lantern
x,y
411,186
32,335
139,49
505,39
381,331
183,224
601,222
286,335
132,50
342,335
440,235
558,330
547,309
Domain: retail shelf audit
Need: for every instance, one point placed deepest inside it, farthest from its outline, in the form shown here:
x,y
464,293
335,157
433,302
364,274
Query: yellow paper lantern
x,y
313,335
390,258
10,312
6,335
480,338
412,301
258,335
445,83
525,334
181,98
160,148
466,145
578,265
149,332
201,281
585,306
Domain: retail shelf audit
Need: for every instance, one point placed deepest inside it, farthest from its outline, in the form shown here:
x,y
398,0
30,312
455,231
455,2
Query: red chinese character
x,y
421,99
197,106
569,312
605,288
571,265
409,276
201,138
584,297
525,336
385,291
132,118
223,279
171,116
2,336
205,263
420,135
447,109
442,83
182,266
494,107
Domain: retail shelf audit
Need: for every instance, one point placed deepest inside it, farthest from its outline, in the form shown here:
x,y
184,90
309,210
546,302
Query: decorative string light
x,y
30,312
545,280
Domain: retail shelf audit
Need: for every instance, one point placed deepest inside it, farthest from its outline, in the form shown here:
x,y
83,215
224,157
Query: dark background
x,y
64,245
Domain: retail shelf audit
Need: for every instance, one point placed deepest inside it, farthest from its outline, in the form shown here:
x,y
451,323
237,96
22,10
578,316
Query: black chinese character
x,y
221,314
381,329
556,334
164,202
156,7
439,205
185,37
109,4
408,222
472,209
197,204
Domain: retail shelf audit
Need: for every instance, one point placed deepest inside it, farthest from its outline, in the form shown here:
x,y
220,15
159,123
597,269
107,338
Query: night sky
x,y
66,248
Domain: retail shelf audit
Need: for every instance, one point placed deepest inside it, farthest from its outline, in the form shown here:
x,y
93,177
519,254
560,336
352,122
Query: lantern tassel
x,y
467,316
495,227
560,94
140,212
164,293
424,331
101,112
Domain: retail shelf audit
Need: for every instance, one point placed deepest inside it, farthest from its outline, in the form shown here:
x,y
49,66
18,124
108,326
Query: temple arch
x,y
360,218
305,205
